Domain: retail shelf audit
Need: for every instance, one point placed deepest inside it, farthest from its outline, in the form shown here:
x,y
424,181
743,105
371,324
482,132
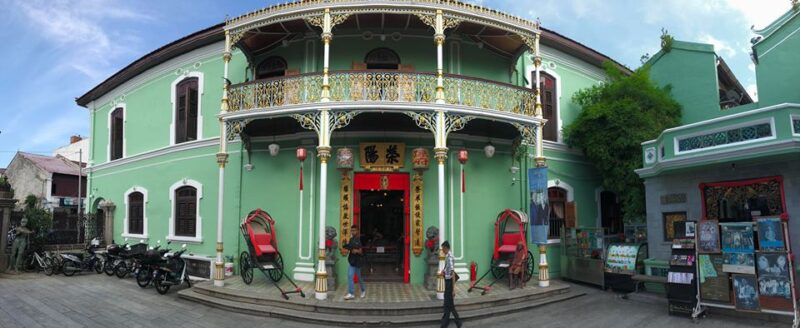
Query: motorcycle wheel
x,y
69,270
143,277
161,288
121,270
108,268
48,266
98,266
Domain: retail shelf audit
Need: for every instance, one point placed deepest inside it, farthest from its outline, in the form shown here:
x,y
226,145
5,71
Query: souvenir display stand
x,y
681,279
622,261
740,276
582,257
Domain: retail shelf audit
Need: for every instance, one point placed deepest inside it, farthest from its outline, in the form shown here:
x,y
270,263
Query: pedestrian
x,y
355,258
450,278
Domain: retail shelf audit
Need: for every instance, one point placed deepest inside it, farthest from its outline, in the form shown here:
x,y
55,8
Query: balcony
x,y
390,88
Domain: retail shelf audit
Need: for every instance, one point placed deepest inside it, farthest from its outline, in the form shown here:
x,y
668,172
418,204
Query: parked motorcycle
x,y
153,259
74,262
130,259
113,257
172,272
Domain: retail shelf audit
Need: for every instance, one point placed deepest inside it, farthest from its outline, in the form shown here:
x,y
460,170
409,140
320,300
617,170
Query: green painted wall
x,y
777,71
691,70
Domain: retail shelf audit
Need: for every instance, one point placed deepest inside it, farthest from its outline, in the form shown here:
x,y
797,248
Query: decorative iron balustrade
x,y
275,92
381,86
730,136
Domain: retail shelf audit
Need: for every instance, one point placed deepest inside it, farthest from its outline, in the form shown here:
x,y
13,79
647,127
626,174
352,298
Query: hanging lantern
x,y
274,149
419,156
302,153
344,159
489,150
463,156
301,156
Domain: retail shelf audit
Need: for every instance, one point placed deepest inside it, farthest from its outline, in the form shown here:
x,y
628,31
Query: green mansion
x,y
192,137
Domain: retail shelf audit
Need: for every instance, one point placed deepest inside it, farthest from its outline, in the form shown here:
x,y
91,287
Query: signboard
x,y
382,156
621,258
345,211
416,215
539,206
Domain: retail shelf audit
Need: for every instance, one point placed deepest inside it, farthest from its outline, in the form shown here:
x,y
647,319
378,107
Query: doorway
x,y
381,212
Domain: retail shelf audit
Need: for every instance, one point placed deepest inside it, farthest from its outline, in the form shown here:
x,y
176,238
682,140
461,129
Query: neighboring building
x,y
158,131
732,159
77,150
54,182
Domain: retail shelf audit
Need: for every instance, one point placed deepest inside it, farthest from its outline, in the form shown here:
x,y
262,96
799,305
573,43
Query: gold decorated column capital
x,y
440,154
222,158
324,153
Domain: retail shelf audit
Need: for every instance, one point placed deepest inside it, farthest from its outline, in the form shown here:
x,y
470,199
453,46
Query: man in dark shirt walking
x,y
354,259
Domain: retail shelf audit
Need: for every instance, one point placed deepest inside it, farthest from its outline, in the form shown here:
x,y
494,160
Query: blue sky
x,y
56,50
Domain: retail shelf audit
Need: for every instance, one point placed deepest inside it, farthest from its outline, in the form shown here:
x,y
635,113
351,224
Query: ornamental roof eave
x,y
451,9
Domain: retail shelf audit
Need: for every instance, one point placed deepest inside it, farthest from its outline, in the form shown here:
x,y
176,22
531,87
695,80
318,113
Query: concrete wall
x,y
27,179
71,151
689,182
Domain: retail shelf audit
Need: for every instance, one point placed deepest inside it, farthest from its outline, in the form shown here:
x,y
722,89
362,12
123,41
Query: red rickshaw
x,y
510,229
258,230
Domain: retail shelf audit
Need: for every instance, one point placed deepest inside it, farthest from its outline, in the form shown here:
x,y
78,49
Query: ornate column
x,y
544,275
108,219
441,124
6,205
222,159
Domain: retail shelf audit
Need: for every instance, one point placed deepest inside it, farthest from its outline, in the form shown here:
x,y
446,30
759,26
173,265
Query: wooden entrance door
x,y
386,182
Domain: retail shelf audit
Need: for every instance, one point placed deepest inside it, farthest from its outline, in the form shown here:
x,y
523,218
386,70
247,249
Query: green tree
x,y
617,117
39,220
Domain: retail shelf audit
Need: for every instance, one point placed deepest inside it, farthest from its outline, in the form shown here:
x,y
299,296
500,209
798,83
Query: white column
x,y
222,159
324,153
544,274
440,151
438,38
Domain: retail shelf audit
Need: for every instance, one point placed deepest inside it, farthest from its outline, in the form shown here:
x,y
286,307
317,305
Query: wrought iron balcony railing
x,y
381,86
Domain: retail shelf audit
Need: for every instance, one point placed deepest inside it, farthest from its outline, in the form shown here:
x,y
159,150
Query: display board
x,y
623,258
757,257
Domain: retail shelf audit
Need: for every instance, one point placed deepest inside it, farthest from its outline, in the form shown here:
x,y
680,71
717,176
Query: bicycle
x,y
40,263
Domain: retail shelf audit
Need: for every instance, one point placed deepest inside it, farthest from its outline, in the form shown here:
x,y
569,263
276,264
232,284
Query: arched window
x,y
186,212
117,133
136,213
557,197
186,103
549,105
271,67
382,58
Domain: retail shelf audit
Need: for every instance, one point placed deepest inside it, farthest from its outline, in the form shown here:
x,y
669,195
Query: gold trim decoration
x,y
345,210
418,234
219,248
222,158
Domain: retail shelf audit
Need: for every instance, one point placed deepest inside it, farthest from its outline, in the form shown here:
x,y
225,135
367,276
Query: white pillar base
x,y
439,296
545,283
219,283
321,296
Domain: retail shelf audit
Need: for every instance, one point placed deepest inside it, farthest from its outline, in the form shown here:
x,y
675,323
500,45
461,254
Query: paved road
x,y
89,300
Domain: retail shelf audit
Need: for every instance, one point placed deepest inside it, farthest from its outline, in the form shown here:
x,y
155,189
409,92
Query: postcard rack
x,y
786,253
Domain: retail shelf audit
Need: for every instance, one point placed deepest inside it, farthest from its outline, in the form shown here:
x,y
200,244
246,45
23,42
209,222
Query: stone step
x,y
380,309
351,320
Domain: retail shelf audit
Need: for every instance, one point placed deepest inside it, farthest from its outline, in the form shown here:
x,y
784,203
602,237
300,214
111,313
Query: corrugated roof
x,y
57,164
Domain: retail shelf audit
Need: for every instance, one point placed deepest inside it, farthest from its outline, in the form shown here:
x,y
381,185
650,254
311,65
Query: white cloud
x,y
721,47
75,27
752,89
54,131
758,13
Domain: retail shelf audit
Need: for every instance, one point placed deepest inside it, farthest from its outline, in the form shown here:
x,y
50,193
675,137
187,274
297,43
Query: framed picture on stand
x,y
708,236
745,294
737,237
774,281
770,234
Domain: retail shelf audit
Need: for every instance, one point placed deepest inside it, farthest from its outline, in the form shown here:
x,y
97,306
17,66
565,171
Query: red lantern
x,y
463,156
301,156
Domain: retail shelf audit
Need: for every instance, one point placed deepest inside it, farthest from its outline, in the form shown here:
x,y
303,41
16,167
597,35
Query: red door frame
x,y
396,181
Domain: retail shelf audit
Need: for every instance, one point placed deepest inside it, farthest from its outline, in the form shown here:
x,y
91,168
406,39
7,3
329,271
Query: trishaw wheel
x,y
497,271
245,268
277,273
530,268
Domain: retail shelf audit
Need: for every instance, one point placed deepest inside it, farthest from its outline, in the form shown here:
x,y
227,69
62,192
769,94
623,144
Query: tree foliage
x,y
617,117
39,220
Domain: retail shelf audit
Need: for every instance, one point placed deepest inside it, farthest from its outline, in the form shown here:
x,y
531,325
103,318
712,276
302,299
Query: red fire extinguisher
x,y
473,271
